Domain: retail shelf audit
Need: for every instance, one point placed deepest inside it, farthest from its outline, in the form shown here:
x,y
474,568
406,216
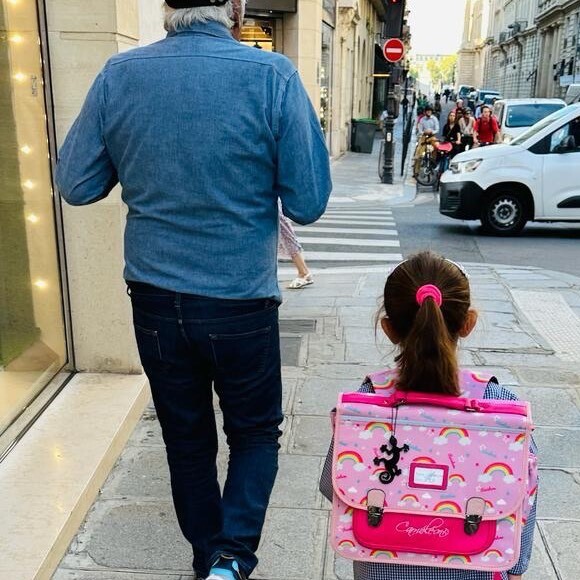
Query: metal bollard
x,y
389,151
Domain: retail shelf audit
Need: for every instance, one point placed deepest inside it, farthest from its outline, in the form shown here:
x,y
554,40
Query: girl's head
x,y
451,118
427,308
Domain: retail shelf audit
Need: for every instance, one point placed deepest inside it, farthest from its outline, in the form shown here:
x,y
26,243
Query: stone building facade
x,y
529,48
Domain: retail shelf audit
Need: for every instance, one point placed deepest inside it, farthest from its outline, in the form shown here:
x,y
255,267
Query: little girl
x,y
426,310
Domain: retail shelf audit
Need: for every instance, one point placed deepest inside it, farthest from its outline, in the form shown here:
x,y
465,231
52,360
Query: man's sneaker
x,y
226,568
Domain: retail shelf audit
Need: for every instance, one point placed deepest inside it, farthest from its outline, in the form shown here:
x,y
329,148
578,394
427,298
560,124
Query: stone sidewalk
x,y
528,335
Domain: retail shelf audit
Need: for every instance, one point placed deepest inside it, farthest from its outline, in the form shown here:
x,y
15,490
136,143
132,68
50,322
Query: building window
x,y
32,334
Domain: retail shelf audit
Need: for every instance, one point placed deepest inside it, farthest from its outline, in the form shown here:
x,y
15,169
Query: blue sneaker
x,y
226,568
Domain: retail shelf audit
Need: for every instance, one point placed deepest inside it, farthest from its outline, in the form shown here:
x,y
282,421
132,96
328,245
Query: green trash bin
x,y
363,135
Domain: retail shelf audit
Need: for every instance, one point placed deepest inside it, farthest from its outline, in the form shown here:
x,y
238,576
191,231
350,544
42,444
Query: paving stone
x,y
292,546
552,406
558,495
297,482
310,435
340,371
358,335
562,543
140,536
558,447
370,353
489,305
540,565
322,350
539,376
64,574
335,567
147,432
140,472
357,316
520,360
317,396
500,340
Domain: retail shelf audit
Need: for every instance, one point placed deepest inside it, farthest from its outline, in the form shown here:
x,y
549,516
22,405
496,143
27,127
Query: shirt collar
x,y
208,28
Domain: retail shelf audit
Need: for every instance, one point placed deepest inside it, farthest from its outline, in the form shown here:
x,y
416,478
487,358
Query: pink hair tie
x,y
429,291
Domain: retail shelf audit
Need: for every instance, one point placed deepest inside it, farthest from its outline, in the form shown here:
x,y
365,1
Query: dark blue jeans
x,y
187,344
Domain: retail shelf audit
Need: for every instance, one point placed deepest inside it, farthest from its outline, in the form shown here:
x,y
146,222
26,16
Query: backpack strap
x,y
382,381
473,384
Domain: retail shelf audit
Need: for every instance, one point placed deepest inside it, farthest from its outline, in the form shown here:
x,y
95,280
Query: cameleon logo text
x,y
434,528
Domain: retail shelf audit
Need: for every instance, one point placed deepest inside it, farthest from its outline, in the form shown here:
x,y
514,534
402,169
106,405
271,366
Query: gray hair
x,y
177,19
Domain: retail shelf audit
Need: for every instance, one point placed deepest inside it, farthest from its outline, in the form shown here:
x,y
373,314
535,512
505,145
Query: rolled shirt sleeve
x,y
85,173
303,181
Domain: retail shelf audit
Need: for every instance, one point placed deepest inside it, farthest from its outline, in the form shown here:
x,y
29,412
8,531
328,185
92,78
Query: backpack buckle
x,y
375,507
474,510
375,516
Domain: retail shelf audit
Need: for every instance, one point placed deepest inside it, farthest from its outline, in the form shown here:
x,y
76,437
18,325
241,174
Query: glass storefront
x,y
326,80
32,331
259,33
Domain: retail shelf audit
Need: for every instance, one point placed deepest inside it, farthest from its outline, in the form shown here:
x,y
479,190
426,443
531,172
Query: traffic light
x,y
393,26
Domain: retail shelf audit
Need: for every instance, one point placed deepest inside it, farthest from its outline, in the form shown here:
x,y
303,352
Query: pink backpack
x,y
431,480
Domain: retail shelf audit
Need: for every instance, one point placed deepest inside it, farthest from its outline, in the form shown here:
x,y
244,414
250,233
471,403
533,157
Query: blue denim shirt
x,y
204,135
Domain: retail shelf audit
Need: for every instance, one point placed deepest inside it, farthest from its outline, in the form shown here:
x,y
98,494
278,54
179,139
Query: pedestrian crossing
x,y
349,236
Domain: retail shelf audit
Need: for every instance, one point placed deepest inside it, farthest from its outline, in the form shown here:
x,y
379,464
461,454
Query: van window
x,y
566,138
563,140
528,115
539,126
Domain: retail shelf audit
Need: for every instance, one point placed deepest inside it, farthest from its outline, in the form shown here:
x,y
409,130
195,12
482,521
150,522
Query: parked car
x,y
536,177
463,92
486,96
516,115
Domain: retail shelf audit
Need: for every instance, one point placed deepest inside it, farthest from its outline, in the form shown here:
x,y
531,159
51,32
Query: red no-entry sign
x,y
394,50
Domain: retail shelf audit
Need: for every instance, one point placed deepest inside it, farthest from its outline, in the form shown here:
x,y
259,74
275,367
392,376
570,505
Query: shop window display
x,y
32,337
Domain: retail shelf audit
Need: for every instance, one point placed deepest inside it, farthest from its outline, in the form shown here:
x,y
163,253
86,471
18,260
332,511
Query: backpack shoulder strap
x,y
383,380
473,384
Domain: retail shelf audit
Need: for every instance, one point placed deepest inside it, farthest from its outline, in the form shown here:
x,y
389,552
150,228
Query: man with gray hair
x,y
205,135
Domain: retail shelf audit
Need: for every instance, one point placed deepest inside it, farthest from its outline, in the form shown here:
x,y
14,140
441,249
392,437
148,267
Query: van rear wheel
x,y
504,214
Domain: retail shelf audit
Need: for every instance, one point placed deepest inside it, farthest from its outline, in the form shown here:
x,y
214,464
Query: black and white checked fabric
x,y
371,571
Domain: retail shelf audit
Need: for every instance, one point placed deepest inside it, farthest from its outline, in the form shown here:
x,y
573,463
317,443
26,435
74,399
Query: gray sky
x,y
436,27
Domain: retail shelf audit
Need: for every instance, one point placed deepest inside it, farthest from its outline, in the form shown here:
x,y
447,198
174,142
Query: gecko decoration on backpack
x,y
391,465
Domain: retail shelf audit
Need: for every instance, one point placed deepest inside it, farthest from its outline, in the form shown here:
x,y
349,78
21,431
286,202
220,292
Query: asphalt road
x,y
553,246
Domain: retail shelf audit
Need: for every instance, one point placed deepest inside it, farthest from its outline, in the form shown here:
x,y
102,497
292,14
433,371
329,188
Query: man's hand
x,y
515,576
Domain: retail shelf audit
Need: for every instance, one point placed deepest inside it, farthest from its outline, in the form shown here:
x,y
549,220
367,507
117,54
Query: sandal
x,y
299,283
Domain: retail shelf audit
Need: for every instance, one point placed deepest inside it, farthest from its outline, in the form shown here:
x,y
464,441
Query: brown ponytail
x,y
428,333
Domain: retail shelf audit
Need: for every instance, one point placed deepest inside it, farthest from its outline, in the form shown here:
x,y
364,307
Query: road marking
x,y
350,242
352,257
313,229
357,212
356,222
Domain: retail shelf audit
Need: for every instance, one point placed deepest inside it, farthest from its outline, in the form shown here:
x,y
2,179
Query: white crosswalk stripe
x,y
348,237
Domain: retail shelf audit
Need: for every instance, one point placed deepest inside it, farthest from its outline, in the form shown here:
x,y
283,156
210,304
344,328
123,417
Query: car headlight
x,y
465,166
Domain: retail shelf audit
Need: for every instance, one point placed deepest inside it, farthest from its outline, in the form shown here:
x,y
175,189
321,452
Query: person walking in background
x,y
201,249
467,127
290,247
486,127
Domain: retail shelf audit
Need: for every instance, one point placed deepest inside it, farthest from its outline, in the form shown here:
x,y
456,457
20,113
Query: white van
x,y
534,178
516,115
